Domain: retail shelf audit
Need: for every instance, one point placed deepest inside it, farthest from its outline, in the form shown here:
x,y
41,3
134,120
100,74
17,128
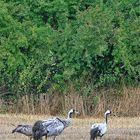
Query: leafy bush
x,y
47,44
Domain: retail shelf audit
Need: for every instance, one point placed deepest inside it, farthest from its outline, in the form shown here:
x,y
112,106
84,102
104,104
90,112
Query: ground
x,y
119,128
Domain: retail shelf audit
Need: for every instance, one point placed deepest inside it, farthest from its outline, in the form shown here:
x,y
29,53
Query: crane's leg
x,y
46,137
54,137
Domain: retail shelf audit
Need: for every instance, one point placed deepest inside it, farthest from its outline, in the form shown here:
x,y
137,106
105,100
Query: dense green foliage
x,y
51,43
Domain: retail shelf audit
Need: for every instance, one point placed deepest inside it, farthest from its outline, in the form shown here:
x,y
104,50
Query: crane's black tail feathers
x,y
94,133
37,130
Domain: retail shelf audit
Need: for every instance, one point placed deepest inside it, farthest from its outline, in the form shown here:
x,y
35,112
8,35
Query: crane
x,y
51,127
99,129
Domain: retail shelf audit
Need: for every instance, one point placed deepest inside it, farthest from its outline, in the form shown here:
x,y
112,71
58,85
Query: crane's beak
x,y
76,112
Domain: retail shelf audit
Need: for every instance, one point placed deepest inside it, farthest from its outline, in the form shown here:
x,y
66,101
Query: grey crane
x,y
24,129
99,129
51,127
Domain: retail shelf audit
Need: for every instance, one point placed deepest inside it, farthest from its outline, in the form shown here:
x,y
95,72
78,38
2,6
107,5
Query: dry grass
x,y
119,128
123,102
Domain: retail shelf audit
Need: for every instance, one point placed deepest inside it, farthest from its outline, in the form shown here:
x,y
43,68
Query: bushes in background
x,y
49,44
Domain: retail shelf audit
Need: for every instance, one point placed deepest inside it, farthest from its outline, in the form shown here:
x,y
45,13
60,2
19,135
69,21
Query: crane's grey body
x,y
99,129
24,129
47,127
52,127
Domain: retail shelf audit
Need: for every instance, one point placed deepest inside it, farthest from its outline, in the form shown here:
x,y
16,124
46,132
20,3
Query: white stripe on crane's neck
x,y
70,113
106,115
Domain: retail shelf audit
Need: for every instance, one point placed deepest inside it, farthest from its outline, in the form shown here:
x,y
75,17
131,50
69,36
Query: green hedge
x,y
49,44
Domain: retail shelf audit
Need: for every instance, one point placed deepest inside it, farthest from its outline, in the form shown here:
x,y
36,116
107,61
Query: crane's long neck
x,y
69,118
106,118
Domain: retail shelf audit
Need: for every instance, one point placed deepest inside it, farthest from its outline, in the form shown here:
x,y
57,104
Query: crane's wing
x,y
53,127
103,128
40,127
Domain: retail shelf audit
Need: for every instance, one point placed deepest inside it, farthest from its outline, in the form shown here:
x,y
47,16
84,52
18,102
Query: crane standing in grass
x,y
52,127
99,129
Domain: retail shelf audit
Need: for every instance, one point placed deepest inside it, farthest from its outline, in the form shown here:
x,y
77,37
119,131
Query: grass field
x,y
118,128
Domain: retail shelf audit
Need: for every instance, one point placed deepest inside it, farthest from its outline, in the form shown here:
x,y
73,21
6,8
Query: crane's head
x,y
107,112
17,129
72,112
